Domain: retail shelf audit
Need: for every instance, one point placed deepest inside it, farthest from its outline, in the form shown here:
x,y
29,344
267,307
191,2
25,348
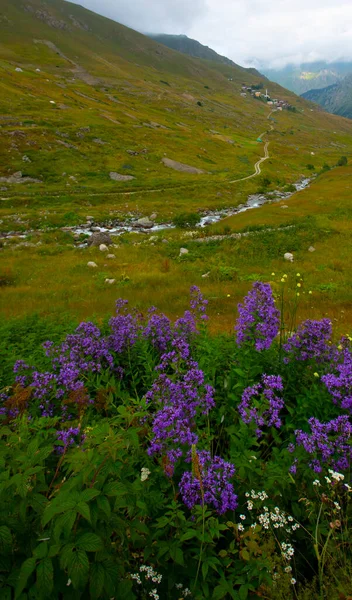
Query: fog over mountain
x,y
250,32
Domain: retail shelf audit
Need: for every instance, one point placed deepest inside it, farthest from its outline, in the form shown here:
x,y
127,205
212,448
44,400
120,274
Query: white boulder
x,y
288,256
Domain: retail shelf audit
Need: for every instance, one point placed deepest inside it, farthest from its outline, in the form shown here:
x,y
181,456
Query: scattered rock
x,y
153,238
99,238
110,256
18,178
110,281
311,249
25,158
177,166
103,248
205,275
284,206
183,251
89,218
165,241
153,216
144,223
92,264
19,70
118,177
288,256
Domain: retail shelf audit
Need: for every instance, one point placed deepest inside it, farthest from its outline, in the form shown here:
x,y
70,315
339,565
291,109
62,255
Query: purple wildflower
x,y
311,341
125,328
209,483
181,397
260,403
158,331
328,443
259,319
340,385
68,437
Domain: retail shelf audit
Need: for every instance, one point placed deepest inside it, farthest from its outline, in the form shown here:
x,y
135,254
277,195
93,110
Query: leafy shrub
x,y
149,459
342,162
186,220
310,167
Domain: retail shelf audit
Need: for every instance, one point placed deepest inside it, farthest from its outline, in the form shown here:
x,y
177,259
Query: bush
x,y
148,459
186,220
310,167
342,162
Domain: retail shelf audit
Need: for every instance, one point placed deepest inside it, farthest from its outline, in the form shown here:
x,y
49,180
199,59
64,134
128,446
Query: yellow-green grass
x,y
54,277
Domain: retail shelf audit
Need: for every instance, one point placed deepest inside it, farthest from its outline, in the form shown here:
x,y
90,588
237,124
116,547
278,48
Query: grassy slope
x,y
114,82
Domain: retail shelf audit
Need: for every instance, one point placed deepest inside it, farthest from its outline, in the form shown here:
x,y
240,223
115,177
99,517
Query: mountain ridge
x,y
336,98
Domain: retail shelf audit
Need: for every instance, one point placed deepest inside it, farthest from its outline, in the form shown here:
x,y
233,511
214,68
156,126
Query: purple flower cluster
x,y
182,396
259,319
68,437
261,404
312,340
209,483
125,327
329,443
158,330
340,385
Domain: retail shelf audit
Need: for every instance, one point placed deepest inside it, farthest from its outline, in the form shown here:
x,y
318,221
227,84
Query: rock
x,y
153,238
92,264
89,218
38,70
284,206
110,256
103,248
144,222
183,251
110,281
117,177
311,249
99,238
288,256
18,70
177,166
205,275
165,241
153,216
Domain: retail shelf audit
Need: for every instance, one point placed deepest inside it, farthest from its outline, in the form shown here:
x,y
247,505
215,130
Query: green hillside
x,y
82,97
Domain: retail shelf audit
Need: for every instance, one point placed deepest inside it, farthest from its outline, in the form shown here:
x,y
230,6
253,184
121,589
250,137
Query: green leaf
x,y
78,568
177,555
56,509
45,577
89,494
64,524
188,535
104,505
243,592
41,551
90,542
5,539
219,592
26,571
205,569
114,489
96,581
83,509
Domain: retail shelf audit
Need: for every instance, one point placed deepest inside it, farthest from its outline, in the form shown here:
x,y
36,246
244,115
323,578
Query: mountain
x,y
304,77
186,45
335,98
87,104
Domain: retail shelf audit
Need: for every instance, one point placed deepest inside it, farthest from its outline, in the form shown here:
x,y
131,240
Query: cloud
x,y
250,32
150,16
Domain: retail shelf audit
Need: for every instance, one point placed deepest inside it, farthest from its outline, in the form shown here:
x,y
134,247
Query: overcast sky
x,y
250,32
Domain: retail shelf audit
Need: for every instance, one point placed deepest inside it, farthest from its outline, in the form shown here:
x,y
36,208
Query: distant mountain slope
x,y
307,76
186,45
336,98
